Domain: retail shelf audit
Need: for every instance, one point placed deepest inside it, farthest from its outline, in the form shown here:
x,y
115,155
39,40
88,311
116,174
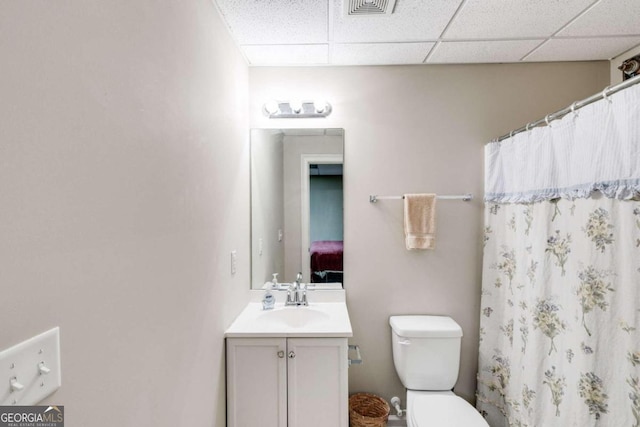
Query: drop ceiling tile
x,y
500,19
287,54
276,21
379,53
607,18
586,49
412,20
482,51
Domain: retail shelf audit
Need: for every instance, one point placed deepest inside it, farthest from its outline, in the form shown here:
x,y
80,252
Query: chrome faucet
x,y
297,293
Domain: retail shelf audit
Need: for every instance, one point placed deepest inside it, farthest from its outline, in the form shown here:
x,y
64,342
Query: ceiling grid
x,y
317,32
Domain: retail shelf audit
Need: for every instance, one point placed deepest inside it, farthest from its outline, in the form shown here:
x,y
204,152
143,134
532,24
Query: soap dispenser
x,y
269,301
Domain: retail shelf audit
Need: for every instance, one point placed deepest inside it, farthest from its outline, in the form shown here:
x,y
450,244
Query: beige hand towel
x,y
420,221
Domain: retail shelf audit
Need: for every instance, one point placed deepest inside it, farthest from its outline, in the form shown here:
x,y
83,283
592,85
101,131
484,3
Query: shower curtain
x,y
560,309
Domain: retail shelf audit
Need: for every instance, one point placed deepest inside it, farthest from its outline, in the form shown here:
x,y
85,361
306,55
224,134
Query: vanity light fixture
x,y
296,109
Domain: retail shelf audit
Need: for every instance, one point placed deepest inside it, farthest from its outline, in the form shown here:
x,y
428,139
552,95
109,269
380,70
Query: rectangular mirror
x,y
297,206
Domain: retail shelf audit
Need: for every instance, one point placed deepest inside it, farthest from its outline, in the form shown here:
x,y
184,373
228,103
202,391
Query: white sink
x,y
323,319
295,317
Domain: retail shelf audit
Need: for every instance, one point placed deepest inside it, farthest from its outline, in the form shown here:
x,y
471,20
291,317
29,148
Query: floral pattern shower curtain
x,y
560,329
560,308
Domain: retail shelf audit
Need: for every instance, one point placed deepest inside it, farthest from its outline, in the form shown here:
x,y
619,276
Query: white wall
x,y
267,206
123,189
418,129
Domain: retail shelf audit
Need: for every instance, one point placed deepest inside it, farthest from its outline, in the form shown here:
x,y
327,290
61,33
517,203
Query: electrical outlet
x,y
280,235
234,262
31,369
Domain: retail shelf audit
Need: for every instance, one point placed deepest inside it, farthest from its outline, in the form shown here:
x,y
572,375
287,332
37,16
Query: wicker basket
x,y
368,410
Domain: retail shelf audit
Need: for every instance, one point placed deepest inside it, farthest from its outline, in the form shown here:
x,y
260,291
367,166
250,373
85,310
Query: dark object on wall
x,y
630,67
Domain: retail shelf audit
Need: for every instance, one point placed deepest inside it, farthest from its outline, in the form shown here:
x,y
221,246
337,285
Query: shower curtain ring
x,y
573,109
511,134
527,127
546,120
605,96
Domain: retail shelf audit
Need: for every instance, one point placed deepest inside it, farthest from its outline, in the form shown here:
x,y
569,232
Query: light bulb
x,y
271,107
320,105
296,106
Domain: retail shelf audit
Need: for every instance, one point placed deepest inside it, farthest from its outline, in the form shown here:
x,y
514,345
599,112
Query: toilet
x,y
426,354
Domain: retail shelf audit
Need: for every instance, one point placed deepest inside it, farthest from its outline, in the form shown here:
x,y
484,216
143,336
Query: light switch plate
x,y
34,368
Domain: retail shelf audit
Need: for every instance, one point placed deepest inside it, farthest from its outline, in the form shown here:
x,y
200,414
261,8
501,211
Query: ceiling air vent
x,y
368,7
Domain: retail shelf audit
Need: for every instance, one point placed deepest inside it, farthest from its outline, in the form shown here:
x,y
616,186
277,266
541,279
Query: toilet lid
x,y
444,411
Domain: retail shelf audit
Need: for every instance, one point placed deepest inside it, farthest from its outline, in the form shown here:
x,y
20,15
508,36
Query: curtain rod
x,y
609,90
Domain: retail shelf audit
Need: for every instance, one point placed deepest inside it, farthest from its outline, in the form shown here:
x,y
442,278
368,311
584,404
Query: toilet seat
x,y
444,410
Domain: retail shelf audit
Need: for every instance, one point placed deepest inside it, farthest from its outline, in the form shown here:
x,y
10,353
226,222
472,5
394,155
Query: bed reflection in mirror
x,y
297,206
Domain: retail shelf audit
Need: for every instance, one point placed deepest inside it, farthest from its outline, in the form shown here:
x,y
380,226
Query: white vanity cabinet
x,y
287,382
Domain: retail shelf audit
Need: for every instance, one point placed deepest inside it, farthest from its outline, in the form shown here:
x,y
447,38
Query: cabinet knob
x,y
292,355
281,354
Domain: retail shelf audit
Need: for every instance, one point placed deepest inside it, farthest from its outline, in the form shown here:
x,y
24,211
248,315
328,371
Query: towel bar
x,y
464,197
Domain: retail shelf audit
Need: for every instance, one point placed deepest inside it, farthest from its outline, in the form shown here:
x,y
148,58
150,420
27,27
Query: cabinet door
x,y
256,382
318,381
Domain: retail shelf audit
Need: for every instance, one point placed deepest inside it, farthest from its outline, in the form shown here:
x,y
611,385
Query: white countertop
x,y
319,319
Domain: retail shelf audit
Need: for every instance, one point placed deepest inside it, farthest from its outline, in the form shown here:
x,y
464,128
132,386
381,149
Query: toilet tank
x,y
426,351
